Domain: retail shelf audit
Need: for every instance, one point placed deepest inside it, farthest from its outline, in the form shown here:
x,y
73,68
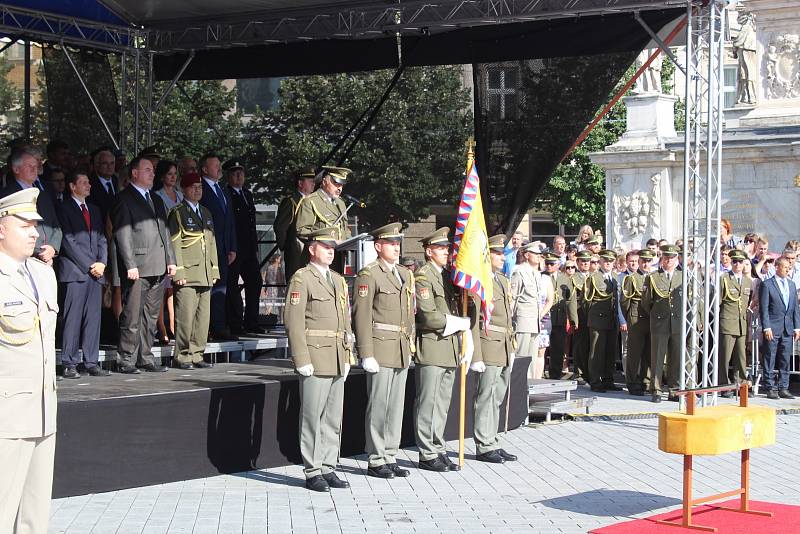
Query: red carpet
x,y
785,520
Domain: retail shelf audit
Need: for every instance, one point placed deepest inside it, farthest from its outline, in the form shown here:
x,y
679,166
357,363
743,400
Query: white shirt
x,y
107,182
143,192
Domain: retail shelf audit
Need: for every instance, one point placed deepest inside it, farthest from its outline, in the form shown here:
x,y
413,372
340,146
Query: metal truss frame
x,y
702,194
380,18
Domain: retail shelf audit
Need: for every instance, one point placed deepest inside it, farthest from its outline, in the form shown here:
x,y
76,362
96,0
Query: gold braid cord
x,y
596,295
655,289
8,329
636,293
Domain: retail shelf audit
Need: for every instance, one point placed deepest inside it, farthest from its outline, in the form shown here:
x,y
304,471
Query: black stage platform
x,y
122,431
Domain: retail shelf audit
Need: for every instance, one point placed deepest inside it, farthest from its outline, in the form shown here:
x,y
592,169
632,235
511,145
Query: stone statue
x,y
650,79
783,66
744,48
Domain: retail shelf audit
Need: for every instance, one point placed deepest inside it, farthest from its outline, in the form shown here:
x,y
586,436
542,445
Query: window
x,y
501,87
730,76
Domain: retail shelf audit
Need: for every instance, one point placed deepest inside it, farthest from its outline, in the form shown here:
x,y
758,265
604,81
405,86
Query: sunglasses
x,y
737,261
570,267
593,261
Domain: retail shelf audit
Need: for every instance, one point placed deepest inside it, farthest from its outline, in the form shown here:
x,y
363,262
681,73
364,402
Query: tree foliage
x,y
409,158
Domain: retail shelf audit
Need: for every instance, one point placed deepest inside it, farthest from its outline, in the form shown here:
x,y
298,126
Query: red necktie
x,y
86,217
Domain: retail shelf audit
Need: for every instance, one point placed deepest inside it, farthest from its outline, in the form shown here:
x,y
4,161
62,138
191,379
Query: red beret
x,y
190,178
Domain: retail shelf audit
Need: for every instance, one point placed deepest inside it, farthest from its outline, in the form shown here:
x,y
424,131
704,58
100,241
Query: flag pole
x,y
462,393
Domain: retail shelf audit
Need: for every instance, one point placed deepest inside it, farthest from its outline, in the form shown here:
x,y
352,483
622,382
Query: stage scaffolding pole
x,y
702,195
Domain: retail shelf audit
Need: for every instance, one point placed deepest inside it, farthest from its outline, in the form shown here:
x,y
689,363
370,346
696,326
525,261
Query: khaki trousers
x,y
527,344
732,349
384,419
192,315
321,401
26,484
492,388
434,392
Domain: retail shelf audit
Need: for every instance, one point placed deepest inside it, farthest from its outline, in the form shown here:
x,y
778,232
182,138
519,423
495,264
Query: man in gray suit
x,y
25,166
144,257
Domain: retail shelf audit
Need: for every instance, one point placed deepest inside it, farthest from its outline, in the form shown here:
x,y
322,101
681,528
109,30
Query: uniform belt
x,y
493,328
387,327
326,333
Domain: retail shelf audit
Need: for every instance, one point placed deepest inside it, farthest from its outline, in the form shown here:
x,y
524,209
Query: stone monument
x,y
761,144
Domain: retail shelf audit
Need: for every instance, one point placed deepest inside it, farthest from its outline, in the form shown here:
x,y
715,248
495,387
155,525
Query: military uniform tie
x,y
26,276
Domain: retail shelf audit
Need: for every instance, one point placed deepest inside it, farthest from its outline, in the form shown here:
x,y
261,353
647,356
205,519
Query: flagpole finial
x,y
470,144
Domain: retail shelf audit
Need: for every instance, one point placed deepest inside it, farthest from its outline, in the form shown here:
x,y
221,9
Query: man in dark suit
x,y
25,167
82,263
246,263
220,204
144,257
780,318
104,182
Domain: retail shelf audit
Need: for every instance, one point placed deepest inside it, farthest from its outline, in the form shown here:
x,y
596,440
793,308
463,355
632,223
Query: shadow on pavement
x,y
610,503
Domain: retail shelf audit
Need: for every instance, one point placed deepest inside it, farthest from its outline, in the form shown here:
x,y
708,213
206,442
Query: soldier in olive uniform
x,y
28,310
192,229
494,359
580,339
324,208
637,366
438,350
285,229
734,299
565,308
383,320
601,295
661,301
317,317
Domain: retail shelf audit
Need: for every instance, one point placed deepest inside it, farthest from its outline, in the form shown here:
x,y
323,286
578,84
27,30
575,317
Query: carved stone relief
x,y
783,66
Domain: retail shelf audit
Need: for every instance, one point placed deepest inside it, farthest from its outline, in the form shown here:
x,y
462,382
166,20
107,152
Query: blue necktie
x,y
221,197
38,185
784,291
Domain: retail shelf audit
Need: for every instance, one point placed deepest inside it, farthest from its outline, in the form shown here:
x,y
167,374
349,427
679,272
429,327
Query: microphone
x,y
354,200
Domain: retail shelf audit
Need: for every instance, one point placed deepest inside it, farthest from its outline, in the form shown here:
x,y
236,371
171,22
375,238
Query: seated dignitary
x,y
494,359
144,258
318,326
81,266
438,353
191,226
28,309
383,320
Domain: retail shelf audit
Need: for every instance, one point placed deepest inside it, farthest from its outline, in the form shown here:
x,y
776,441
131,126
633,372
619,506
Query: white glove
x,y
455,324
468,348
370,365
511,357
478,367
306,370
346,371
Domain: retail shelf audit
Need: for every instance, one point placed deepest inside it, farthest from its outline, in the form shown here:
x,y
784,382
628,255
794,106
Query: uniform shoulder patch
x,y
424,292
363,290
294,298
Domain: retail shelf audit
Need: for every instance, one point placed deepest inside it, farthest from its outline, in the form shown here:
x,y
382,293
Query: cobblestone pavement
x,y
570,477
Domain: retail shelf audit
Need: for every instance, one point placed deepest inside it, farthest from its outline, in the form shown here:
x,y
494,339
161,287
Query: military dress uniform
x,y
192,231
286,230
28,311
601,297
734,299
383,320
437,356
580,339
637,366
527,289
661,300
317,318
318,210
565,308
496,350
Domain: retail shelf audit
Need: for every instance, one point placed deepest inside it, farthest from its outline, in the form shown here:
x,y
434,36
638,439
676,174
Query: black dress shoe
x,y
726,394
772,394
398,471
317,483
257,330
492,457
450,465
380,471
673,398
224,335
202,364
434,465
784,394
129,370
598,389
506,456
153,368
334,481
612,387
656,397
71,372
185,366
580,381
98,371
